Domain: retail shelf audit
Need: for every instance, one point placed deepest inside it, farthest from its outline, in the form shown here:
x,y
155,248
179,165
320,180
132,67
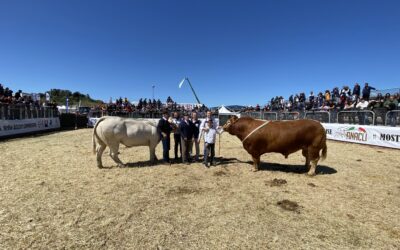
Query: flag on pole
x,y
181,83
47,96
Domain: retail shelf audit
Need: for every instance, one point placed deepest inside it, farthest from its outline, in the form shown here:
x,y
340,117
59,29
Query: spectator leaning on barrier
x,y
349,105
391,104
366,92
325,106
362,105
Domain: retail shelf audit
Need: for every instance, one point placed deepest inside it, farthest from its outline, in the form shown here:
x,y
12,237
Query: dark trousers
x,y
209,148
185,149
392,119
363,118
166,146
177,140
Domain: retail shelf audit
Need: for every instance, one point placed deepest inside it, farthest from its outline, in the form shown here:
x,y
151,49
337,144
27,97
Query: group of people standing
x,y
188,132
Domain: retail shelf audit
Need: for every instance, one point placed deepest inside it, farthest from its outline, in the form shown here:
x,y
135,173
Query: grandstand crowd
x,y
346,98
19,99
147,106
343,99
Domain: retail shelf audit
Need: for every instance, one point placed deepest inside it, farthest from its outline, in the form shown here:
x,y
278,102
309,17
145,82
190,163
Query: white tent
x,y
224,111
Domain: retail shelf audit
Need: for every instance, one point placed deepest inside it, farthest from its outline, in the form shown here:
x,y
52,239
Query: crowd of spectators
x,y
145,105
11,104
345,98
335,99
19,99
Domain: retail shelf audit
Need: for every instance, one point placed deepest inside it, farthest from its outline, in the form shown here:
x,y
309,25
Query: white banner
x,y
371,135
14,127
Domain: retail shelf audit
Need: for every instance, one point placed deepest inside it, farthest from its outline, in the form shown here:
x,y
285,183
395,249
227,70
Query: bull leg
x,y
114,155
153,156
314,155
99,153
305,154
256,163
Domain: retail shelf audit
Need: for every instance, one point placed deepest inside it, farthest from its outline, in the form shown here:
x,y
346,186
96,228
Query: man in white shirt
x,y
363,104
177,136
196,122
362,116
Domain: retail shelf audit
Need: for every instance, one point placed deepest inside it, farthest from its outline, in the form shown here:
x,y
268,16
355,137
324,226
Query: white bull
x,y
111,131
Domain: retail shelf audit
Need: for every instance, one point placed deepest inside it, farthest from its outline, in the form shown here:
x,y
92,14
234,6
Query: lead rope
x,y
262,125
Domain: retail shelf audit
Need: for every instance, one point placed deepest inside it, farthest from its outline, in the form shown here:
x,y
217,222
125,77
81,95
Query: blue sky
x,y
234,52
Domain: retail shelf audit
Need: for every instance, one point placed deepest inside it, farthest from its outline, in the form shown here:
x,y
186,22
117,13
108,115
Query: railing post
x,y
386,117
373,117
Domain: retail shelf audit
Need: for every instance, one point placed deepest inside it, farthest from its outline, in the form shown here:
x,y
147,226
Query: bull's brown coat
x,y
283,137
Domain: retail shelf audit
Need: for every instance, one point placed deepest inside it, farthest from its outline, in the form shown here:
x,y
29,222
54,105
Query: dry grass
x,y
53,196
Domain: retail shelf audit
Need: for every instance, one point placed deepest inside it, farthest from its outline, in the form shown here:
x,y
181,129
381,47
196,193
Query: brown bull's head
x,y
229,122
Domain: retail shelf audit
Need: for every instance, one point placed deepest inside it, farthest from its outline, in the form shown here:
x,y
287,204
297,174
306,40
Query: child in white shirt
x,y
210,135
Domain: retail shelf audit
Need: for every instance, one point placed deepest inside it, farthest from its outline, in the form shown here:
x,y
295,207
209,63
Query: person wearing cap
x,y
186,128
164,128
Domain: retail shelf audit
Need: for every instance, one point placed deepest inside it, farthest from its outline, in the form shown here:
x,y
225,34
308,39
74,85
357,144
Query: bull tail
x,y
94,136
324,152
324,148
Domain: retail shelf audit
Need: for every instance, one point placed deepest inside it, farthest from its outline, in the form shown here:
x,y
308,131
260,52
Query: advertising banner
x,y
14,127
371,135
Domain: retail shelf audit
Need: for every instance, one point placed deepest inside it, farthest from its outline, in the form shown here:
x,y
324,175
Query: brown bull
x,y
285,137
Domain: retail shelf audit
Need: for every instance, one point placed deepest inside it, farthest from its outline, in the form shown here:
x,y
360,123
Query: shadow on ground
x,y
264,166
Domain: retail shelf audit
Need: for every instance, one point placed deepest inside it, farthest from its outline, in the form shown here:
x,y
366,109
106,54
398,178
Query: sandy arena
x,y
53,196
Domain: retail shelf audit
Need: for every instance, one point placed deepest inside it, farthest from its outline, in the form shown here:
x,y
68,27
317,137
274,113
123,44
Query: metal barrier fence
x,y
289,116
137,114
272,116
15,112
393,118
255,115
361,117
321,116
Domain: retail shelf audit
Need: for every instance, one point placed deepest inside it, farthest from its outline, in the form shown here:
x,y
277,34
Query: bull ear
x,y
234,118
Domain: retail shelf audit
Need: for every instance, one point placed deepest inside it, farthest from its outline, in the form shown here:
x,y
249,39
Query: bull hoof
x,y
254,170
99,166
310,174
121,165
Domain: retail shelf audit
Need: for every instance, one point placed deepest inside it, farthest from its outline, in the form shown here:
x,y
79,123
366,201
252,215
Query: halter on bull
x,y
285,137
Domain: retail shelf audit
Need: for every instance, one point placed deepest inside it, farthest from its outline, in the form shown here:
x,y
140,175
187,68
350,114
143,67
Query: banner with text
x,y
14,127
371,135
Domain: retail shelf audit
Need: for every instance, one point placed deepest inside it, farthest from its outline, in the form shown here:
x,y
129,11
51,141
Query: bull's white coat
x,y
112,131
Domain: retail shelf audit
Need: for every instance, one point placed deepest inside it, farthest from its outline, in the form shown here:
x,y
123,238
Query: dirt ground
x,y
53,196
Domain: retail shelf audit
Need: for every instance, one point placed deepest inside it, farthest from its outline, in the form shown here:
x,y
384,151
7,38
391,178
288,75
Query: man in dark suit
x,y
164,128
186,128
